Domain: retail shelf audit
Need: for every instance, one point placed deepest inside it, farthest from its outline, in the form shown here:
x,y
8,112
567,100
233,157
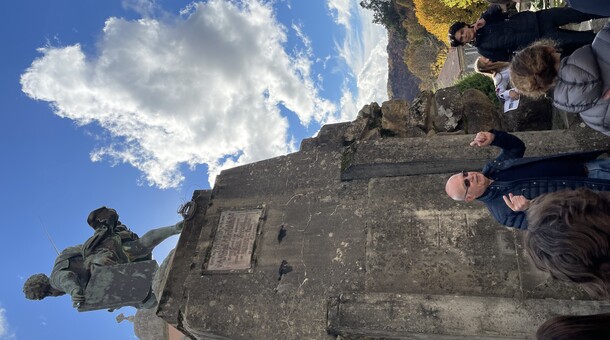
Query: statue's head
x,y
103,216
37,287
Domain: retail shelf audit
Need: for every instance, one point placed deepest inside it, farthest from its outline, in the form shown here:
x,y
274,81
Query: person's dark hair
x,y
569,237
452,30
571,327
532,69
37,287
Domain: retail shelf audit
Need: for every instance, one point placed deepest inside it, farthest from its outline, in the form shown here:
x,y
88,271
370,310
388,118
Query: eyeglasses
x,y
466,183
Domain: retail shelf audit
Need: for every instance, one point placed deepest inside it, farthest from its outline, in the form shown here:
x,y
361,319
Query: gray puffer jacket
x,y
583,78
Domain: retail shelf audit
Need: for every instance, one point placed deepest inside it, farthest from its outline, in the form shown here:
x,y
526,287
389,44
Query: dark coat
x,y
600,7
583,78
511,157
503,35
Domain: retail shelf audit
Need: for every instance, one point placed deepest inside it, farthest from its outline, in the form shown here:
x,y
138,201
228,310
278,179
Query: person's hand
x,y
78,297
516,203
478,24
482,139
606,95
513,94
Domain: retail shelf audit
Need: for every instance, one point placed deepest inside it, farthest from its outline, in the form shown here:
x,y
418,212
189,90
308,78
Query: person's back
x,y
580,83
583,83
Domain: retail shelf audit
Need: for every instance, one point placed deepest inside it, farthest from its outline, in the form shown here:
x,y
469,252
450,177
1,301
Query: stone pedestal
x,y
363,242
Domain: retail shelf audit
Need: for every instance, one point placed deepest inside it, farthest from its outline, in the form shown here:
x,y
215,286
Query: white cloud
x,y
145,8
5,332
185,91
364,52
3,323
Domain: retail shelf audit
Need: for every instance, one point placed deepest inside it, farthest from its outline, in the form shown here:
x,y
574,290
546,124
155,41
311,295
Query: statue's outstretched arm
x,y
145,244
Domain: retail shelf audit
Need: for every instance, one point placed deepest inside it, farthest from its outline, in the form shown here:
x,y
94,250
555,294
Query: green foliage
x,y
384,13
480,82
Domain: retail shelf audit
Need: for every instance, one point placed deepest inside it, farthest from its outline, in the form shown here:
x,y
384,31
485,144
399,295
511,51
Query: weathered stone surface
x,y
178,263
451,153
448,109
372,235
356,129
394,117
330,135
419,111
372,134
480,114
371,110
148,326
531,115
414,316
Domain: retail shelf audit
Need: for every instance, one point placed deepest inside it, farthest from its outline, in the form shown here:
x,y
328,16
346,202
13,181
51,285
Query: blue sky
x,y
135,104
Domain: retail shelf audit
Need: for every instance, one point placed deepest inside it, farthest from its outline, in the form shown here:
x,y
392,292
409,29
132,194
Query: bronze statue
x,y
112,243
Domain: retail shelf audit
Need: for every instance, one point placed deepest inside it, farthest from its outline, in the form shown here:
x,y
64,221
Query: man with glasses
x,y
507,184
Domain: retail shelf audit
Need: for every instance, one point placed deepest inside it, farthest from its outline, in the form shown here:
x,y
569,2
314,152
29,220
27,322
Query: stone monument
x,y
353,237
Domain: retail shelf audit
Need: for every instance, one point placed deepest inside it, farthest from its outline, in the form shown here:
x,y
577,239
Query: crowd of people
x,y
561,202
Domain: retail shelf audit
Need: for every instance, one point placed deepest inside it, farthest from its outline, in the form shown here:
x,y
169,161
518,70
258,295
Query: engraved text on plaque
x,y
234,240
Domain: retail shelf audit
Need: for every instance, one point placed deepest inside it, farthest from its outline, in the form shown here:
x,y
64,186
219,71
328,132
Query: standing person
x,y
500,73
498,36
508,183
580,82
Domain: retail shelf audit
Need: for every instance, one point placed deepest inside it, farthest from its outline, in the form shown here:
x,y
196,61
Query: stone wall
x,y
356,238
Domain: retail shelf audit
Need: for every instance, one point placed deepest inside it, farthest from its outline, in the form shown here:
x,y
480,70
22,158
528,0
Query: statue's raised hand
x,y
78,297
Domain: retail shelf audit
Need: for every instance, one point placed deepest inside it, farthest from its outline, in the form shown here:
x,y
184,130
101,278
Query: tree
x,y
384,13
436,17
461,3
419,55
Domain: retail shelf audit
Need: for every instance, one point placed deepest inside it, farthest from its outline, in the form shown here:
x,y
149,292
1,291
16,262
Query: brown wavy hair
x,y
491,67
569,237
569,327
532,69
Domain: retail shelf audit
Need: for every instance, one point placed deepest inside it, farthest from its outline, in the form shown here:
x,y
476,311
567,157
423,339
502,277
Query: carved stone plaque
x,y
234,240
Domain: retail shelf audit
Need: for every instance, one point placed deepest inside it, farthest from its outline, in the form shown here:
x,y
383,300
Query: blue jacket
x,y
511,157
